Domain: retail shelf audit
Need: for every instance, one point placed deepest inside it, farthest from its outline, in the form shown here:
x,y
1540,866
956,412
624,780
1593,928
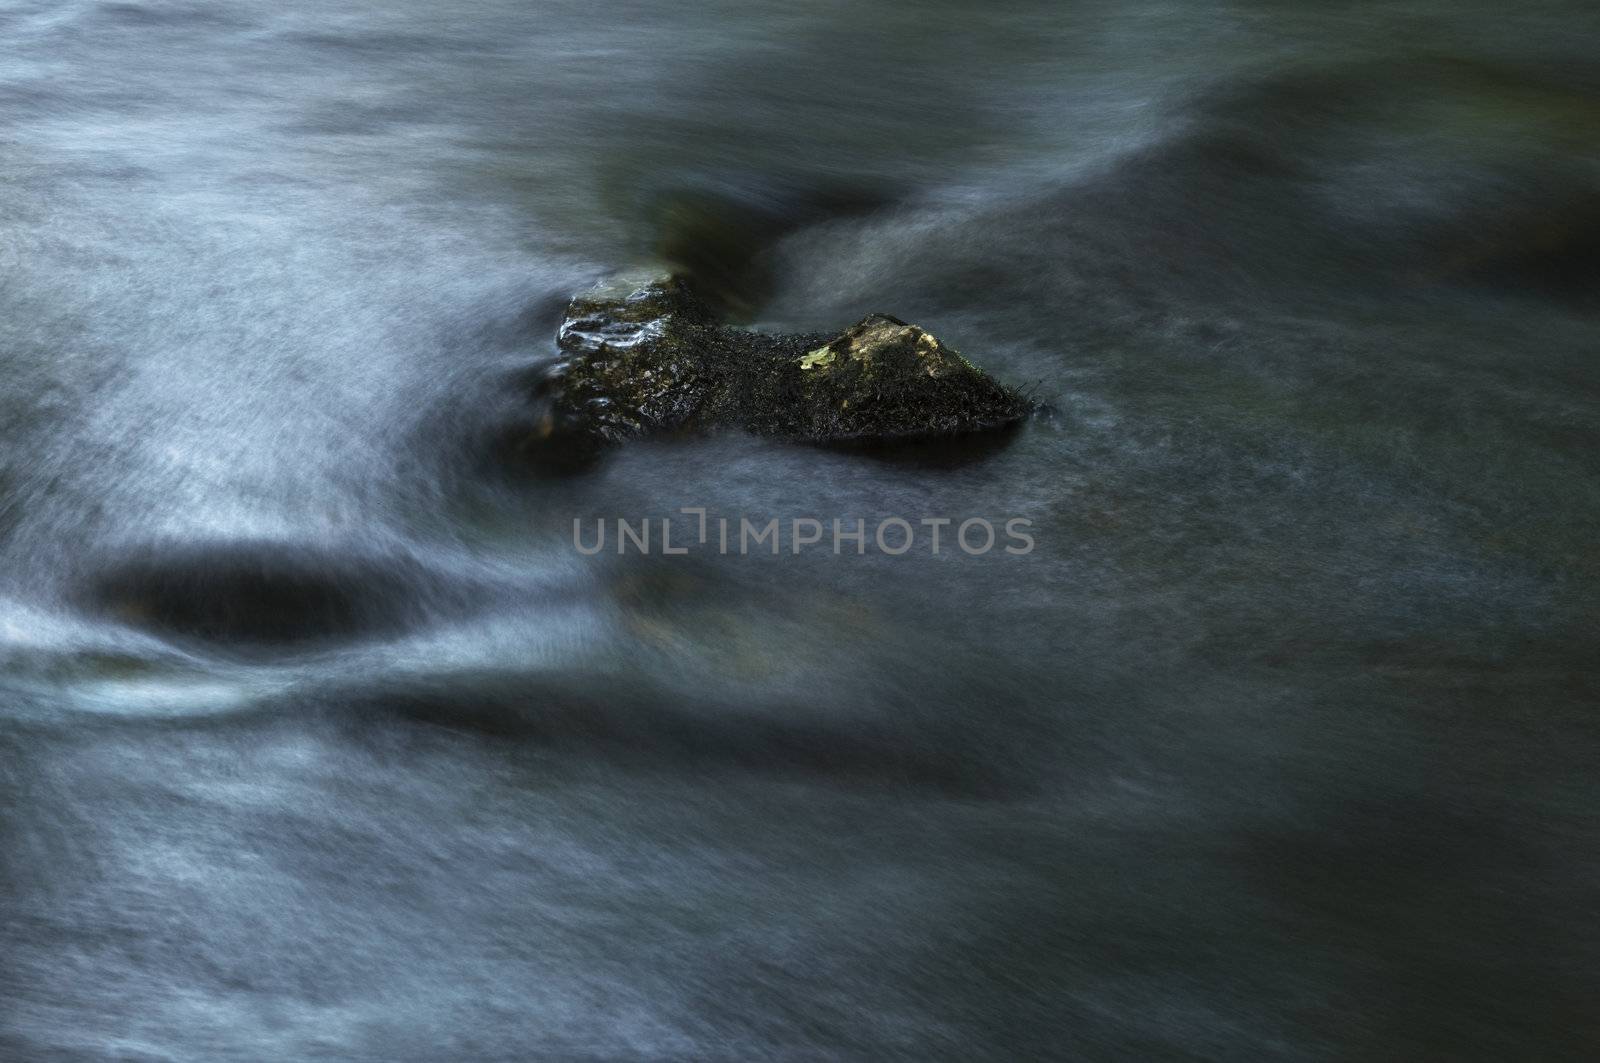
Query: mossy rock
x,y
643,355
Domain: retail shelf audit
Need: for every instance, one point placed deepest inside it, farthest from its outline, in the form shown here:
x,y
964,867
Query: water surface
x,y
318,739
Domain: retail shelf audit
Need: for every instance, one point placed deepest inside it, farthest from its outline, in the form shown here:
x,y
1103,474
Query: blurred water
x,y
320,741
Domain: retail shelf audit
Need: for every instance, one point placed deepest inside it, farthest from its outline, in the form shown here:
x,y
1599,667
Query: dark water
x,y
321,742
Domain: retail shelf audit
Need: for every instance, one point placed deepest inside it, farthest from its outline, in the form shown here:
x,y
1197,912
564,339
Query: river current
x,y
320,739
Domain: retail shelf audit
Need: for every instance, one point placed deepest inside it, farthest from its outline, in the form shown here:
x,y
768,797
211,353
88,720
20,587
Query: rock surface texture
x,y
642,355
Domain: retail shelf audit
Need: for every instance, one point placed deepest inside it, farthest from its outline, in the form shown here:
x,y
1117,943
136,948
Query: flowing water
x,y
319,740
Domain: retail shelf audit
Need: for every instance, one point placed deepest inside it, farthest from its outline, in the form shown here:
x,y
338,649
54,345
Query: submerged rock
x,y
255,594
643,355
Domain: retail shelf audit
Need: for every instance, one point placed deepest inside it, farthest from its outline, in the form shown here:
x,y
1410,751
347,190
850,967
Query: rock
x,y
634,360
884,379
642,355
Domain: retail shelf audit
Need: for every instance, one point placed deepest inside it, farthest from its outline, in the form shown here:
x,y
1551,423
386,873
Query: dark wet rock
x,y
258,595
643,355
885,379
1548,244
